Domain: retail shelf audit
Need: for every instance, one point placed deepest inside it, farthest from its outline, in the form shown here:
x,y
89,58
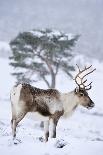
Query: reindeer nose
x,y
92,104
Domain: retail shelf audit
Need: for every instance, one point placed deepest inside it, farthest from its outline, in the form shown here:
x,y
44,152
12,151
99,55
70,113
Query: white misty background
x,y
83,132
84,17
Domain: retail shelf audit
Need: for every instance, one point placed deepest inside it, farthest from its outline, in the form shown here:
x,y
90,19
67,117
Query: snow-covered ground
x,y
81,134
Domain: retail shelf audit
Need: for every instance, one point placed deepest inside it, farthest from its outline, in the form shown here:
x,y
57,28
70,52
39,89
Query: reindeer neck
x,y
70,103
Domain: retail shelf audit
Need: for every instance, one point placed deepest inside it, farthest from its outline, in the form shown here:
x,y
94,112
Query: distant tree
x,y
42,53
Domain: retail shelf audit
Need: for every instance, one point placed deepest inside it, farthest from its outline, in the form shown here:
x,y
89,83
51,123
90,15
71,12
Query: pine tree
x,y
42,53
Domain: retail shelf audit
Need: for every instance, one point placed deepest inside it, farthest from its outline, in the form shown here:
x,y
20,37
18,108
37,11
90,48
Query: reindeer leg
x,y
53,122
14,123
20,116
53,128
13,126
46,130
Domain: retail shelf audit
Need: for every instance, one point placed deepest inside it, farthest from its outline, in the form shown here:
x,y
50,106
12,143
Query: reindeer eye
x,y
81,94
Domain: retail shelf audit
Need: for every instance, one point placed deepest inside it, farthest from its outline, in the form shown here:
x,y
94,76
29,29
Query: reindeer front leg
x,y
46,130
53,124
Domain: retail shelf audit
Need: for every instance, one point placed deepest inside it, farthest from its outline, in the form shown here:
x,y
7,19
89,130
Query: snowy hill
x,y
81,134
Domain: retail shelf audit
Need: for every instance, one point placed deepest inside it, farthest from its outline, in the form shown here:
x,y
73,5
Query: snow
x,y
70,36
28,47
36,33
53,33
80,134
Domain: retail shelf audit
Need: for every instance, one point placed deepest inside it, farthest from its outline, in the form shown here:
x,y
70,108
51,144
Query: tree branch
x,y
57,68
44,78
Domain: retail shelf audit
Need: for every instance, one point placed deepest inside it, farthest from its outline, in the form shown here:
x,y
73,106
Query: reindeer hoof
x,y
16,141
41,139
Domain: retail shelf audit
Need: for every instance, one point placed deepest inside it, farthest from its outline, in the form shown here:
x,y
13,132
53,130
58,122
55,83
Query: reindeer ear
x,y
76,90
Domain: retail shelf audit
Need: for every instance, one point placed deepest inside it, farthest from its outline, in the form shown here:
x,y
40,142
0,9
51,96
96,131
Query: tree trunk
x,y
53,80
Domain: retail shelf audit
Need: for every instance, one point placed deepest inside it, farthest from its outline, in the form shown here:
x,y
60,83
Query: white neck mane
x,y
70,102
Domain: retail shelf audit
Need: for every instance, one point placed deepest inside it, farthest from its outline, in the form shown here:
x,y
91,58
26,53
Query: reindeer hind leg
x,y
14,123
20,116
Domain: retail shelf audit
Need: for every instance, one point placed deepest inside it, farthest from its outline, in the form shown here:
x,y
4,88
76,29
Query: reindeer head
x,y
81,90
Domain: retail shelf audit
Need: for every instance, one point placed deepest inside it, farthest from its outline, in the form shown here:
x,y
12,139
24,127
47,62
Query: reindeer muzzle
x,y
90,105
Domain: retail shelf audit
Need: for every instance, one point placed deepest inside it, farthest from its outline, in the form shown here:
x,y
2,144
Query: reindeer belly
x,y
36,116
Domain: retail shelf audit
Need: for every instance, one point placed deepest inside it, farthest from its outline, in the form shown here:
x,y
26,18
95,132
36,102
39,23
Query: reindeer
x,y
50,104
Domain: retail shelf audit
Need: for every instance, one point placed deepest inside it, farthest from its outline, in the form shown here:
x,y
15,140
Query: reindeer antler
x,y
82,83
